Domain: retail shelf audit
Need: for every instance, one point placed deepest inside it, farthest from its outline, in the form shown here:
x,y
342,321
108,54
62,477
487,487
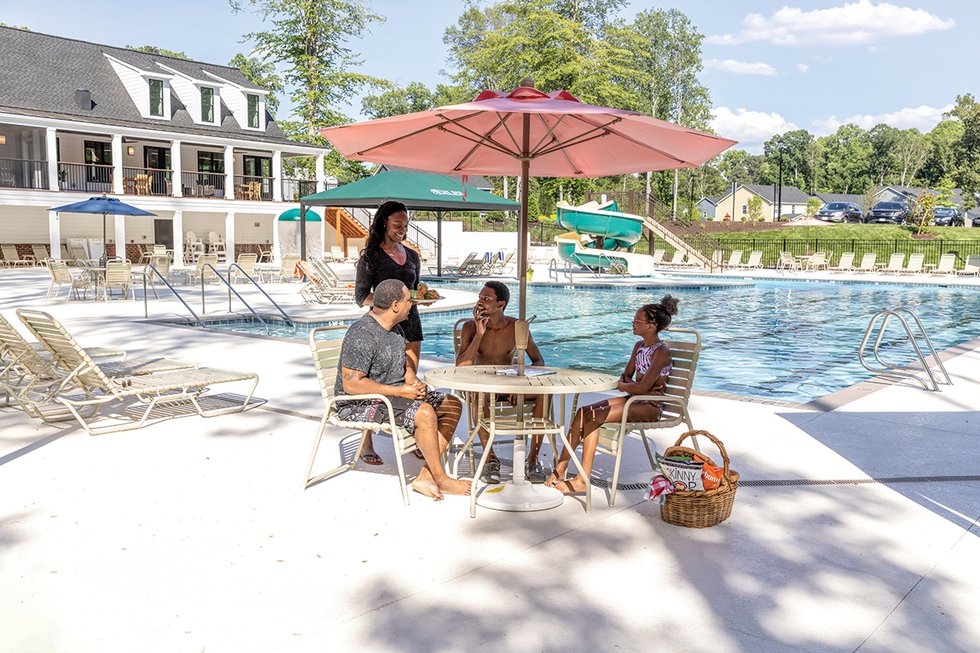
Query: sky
x,y
770,66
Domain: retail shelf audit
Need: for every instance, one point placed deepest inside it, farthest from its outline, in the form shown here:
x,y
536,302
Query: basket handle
x,y
716,441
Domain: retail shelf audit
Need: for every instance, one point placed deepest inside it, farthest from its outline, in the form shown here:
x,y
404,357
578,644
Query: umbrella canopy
x,y
105,206
294,215
527,132
416,190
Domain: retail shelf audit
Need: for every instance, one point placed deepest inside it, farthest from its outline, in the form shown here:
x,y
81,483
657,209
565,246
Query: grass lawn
x,y
852,231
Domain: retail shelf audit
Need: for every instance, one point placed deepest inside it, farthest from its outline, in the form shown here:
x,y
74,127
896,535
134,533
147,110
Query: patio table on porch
x,y
518,494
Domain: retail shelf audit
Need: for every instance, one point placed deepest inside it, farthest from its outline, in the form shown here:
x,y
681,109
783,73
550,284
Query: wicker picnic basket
x,y
700,509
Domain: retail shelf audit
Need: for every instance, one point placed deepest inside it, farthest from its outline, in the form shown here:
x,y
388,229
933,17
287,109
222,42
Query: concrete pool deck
x,y
855,527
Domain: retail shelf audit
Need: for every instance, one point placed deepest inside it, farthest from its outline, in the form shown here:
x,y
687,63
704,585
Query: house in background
x,y
190,141
707,208
726,208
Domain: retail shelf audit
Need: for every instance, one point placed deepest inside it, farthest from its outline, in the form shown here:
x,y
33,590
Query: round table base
x,y
519,497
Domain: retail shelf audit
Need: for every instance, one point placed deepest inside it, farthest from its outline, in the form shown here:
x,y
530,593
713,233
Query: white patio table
x,y
518,494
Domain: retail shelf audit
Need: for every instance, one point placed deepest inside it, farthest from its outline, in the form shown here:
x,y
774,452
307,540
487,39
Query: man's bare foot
x,y
454,486
425,485
573,485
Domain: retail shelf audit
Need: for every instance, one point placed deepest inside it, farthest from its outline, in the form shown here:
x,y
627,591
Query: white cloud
x,y
853,23
740,67
923,118
802,67
750,128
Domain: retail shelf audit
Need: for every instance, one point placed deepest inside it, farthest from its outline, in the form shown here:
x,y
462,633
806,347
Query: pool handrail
x,y
146,309
255,283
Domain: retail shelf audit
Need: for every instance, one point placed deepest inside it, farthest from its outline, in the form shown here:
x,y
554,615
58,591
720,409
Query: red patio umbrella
x,y
522,133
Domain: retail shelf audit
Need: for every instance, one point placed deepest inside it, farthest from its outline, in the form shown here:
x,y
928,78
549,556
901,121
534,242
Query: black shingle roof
x,y
39,75
791,194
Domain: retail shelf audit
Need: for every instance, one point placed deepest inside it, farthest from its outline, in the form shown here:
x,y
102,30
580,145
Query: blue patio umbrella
x,y
105,206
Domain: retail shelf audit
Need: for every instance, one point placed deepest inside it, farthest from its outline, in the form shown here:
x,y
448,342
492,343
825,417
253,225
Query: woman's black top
x,y
376,266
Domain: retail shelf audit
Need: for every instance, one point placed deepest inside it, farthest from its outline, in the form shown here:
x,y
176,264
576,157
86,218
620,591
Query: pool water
x,y
788,341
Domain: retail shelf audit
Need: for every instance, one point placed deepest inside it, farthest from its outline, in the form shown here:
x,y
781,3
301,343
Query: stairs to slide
x,y
675,241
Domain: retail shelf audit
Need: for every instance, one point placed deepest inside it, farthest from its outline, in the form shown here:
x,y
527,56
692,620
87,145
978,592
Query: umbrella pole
x,y
438,242
105,245
522,218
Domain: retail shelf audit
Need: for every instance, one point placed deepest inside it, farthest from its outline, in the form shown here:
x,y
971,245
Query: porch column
x,y
54,232
51,151
276,246
117,166
277,176
230,172
230,237
178,227
320,177
119,236
177,183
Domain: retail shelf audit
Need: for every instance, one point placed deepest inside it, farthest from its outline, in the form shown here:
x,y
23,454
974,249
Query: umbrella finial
x,y
527,82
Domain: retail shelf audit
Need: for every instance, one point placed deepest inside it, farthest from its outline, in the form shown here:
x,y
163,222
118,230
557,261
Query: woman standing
x,y
385,257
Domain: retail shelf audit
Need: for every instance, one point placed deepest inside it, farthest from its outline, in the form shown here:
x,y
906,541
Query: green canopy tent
x,y
416,190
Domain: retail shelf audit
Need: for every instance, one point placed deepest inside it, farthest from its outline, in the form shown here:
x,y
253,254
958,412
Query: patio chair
x,y
118,276
199,271
754,261
658,256
787,261
972,265
352,254
145,251
499,265
336,253
323,285
62,276
677,260
914,265
76,254
895,265
845,264
40,255
93,390
947,264
246,261
216,245
734,259
326,356
193,246
13,259
286,271
470,265
818,261
867,262
448,264
685,353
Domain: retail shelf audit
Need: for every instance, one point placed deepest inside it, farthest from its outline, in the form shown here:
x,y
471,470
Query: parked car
x,y
889,213
840,212
946,216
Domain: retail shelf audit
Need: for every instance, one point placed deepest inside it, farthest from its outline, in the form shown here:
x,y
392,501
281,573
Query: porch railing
x,y
23,173
253,188
294,189
203,184
85,177
147,181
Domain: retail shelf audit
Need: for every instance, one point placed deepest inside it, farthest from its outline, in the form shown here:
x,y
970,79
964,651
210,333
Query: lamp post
x,y
779,191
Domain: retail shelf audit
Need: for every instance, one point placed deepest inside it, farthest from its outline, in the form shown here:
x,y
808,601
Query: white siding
x,y
190,95
135,85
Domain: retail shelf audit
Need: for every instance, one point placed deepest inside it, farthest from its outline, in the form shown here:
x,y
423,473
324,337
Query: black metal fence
x,y
883,249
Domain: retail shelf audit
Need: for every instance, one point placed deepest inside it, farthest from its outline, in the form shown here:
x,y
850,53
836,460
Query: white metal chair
x,y
62,276
118,276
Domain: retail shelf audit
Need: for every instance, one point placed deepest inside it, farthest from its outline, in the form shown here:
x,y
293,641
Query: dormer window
x,y
207,104
253,111
156,97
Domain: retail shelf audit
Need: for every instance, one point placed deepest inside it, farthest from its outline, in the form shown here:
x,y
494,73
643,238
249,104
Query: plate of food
x,y
424,296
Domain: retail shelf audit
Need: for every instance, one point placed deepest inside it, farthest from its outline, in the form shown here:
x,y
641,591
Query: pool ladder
x,y
933,369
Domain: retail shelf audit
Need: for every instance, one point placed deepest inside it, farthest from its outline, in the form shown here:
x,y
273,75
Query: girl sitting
x,y
645,374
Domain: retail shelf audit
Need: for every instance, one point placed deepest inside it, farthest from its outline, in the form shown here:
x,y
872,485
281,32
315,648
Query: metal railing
x,y
889,369
146,308
203,184
294,189
147,181
85,177
23,173
248,187
255,283
231,290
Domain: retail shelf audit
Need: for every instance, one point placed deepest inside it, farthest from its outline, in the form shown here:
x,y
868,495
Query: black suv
x,y
889,213
945,216
840,212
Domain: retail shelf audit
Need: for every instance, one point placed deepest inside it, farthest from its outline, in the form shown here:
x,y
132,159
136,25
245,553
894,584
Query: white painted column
x,y
320,177
178,227
276,246
117,164
51,151
178,180
230,236
120,236
277,176
229,173
54,233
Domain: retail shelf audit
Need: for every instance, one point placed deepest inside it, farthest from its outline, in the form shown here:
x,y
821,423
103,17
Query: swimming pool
x,y
782,340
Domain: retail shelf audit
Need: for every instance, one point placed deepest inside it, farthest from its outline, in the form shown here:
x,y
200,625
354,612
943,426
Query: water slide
x,y
601,237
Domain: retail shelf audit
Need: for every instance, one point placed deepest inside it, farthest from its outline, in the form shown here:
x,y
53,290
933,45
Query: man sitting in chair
x,y
373,361
489,339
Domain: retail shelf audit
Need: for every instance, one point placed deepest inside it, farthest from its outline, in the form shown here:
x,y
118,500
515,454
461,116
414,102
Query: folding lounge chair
x,y
501,264
612,438
658,256
13,259
755,260
896,263
972,265
845,264
323,285
470,265
947,264
867,262
326,355
336,254
93,389
677,260
286,271
352,254
40,255
915,264
734,259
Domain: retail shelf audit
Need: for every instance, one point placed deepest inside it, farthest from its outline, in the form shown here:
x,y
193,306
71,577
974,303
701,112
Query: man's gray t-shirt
x,y
368,347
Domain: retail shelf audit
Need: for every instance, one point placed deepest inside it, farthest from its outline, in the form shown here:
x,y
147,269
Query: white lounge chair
x,y
12,259
352,254
286,271
896,264
914,265
947,264
972,265
246,261
845,264
88,389
657,256
734,259
323,285
867,262
755,260
677,260
40,255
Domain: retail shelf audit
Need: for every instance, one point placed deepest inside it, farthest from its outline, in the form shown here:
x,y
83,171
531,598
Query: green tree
x,y
26,29
796,164
812,206
262,74
740,167
846,159
396,101
755,208
922,210
966,150
941,162
910,153
152,49
882,163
